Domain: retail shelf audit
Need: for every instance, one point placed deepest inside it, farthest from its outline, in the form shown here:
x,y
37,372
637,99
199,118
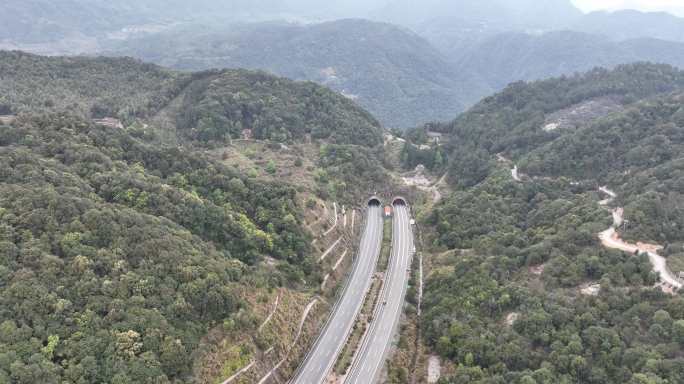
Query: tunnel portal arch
x,y
374,202
399,201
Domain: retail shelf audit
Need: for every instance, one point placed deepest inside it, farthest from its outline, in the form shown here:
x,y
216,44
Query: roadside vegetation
x,y
386,250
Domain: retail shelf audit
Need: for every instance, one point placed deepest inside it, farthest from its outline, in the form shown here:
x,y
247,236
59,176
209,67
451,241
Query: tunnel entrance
x,y
374,202
399,201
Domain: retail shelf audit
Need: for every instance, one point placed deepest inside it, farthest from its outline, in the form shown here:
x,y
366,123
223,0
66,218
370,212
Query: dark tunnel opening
x,y
399,201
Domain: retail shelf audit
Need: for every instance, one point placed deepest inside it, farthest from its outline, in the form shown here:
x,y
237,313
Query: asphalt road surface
x,y
332,339
370,359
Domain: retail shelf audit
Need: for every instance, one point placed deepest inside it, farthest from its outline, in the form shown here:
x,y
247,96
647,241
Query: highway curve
x,y
369,361
322,357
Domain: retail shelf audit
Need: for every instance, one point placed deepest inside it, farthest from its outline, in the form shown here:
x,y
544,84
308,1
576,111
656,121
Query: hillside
x,y
513,121
118,256
150,247
195,219
396,75
121,88
525,285
206,106
639,150
222,104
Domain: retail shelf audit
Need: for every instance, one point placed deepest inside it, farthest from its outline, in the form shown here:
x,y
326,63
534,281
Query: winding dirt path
x,y
339,261
334,221
270,315
239,373
610,238
325,281
344,217
327,251
611,196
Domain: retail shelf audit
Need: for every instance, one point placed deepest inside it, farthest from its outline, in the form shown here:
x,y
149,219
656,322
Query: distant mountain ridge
x,y
506,58
389,70
392,72
435,62
529,13
42,21
455,26
630,24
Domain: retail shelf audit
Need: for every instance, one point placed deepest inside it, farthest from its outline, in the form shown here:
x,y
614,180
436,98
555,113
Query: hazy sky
x,y
672,6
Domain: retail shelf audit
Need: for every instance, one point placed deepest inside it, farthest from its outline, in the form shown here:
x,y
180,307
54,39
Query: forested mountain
x,y
639,149
207,106
393,73
130,251
510,57
119,255
121,88
527,293
153,221
513,120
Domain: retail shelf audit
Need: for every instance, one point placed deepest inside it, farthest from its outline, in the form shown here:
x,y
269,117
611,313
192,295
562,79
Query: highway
x,y
322,357
370,359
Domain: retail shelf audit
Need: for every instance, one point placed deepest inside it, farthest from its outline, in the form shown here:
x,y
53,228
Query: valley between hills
x,y
284,192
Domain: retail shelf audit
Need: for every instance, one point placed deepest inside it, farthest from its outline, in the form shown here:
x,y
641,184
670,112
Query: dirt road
x,y
610,238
